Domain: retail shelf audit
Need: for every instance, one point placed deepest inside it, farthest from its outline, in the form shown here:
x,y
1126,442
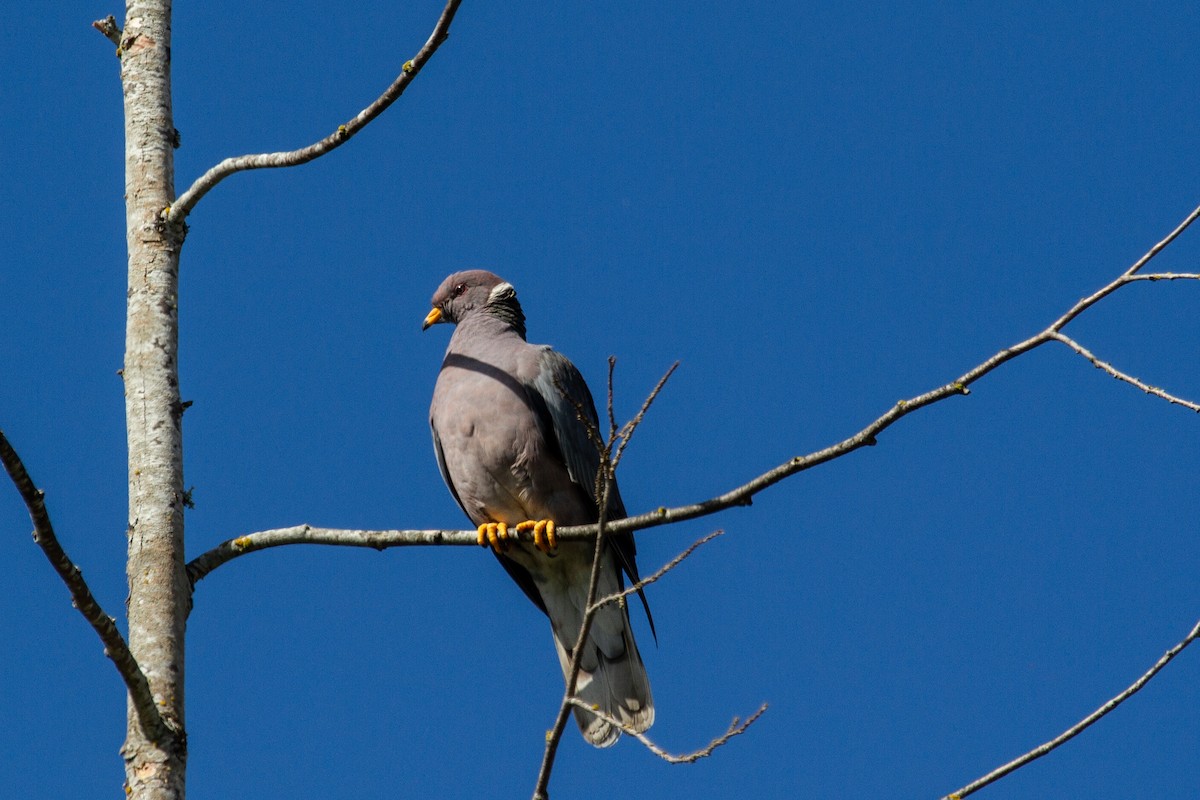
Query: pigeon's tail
x,y
611,679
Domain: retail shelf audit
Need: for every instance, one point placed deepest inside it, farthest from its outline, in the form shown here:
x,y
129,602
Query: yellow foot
x,y
543,534
494,534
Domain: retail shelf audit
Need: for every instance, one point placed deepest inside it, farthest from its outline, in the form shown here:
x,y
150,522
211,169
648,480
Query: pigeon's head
x,y
465,292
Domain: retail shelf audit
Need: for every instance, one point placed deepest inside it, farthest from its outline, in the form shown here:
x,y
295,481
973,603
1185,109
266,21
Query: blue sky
x,y
818,209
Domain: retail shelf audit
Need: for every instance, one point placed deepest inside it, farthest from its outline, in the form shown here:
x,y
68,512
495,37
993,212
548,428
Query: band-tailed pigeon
x,y
514,452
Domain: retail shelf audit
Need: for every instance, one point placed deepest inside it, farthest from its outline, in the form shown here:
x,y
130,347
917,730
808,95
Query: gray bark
x,y
158,588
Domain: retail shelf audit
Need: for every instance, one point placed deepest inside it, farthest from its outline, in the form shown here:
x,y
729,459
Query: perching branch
x,y
740,496
230,549
81,596
1079,727
184,204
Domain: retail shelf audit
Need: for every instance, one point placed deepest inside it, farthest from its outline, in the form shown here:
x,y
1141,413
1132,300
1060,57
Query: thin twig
x,y
184,204
585,418
1158,248
736,728
612,418
1116,373
629,427
644,582
1079,727
1165,276
81,595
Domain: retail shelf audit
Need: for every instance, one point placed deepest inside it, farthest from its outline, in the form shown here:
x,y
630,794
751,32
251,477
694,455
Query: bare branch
x,y
108,26
230,549
1165,276
187,201
1079,727
1116,373
628,428
81,595
644,582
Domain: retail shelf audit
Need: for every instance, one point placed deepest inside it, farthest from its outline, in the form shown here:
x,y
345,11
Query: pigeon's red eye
x,y
459,290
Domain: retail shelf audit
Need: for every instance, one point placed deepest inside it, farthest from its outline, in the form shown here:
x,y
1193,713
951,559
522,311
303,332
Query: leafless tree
x,y
152,660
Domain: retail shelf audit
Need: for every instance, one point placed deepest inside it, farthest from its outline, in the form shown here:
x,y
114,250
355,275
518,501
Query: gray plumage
x,y
511,448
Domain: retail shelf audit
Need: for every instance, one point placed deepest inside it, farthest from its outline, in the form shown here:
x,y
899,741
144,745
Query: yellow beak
x,y
432,318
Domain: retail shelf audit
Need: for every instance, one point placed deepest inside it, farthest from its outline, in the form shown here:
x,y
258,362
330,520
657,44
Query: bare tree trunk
x,y
155,761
